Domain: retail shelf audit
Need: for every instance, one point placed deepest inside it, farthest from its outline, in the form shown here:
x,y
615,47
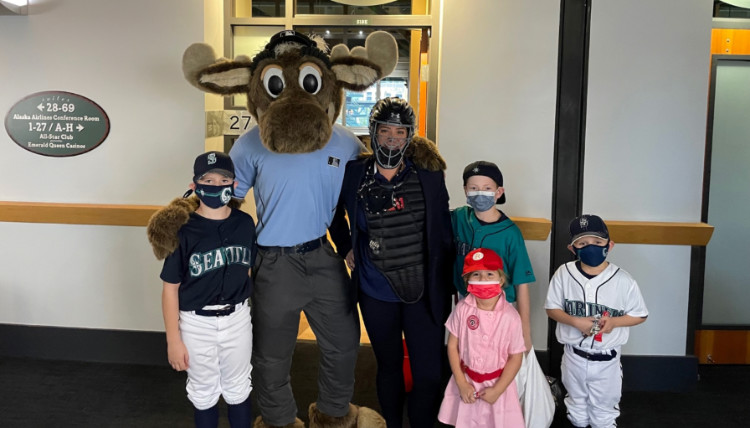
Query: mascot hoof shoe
x,y
359,417
260,424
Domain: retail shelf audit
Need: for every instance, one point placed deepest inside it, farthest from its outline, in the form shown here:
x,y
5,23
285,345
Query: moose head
x,y
294,88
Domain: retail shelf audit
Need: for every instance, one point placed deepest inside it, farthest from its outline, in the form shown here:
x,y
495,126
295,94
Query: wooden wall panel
x,y
659,233
43,212
730,42
722,346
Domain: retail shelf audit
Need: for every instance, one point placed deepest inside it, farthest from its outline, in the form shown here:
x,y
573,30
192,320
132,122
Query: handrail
x,y
534,229
659,233
64,213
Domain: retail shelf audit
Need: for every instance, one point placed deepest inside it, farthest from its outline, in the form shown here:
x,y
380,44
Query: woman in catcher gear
x,y
401,258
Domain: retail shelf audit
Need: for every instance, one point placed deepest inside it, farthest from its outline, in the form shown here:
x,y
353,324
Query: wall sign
x,y
228,122
56,123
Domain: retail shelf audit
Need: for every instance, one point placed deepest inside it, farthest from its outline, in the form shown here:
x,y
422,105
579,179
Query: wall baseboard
x,y
641,373
81,344
672,373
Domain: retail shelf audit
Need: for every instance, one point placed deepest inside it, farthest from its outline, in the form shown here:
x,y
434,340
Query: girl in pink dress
x,y
485,349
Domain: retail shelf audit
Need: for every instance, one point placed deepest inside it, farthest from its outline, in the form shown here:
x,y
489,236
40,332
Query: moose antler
x,y
217,75
354,68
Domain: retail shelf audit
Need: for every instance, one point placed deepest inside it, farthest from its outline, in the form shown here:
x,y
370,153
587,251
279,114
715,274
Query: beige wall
x,y
125,56
645,139
497,103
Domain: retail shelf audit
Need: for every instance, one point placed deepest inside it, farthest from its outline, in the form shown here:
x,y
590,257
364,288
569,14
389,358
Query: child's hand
x,y
468,394
584,324
607,324
527,343
491,394
177,355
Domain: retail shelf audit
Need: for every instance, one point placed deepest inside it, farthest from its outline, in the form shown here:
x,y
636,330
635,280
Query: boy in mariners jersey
x,y
482,225
207,284
594,303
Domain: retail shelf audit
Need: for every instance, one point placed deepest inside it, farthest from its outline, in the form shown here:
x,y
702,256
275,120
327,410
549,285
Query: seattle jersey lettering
x,y
577,308
201,263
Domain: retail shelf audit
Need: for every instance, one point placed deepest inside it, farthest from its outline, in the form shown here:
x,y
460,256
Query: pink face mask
x,y
484,289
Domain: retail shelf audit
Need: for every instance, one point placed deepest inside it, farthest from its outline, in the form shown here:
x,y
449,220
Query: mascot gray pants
x,y
316,282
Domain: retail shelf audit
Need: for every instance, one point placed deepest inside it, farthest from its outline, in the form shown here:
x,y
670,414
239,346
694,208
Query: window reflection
x,y
259,8
357,106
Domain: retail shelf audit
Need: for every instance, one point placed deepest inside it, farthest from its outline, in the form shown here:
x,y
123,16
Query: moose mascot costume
x,y
294,160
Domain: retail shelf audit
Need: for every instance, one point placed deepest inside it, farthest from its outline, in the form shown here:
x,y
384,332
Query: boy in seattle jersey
x,y
594,303
207,284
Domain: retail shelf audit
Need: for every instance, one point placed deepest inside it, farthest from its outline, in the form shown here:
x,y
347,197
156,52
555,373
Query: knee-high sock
x,y
208,418
240,415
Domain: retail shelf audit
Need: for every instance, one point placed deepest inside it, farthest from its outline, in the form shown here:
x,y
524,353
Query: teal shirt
x,y
503,237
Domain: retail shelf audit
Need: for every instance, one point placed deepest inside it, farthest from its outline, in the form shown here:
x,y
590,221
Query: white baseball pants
x,y
219,351
594,390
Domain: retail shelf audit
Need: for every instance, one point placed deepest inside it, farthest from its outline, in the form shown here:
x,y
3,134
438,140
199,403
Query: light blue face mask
x,y
481,201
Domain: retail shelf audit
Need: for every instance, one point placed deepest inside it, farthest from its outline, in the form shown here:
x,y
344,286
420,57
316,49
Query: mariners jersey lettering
x,y
213,261
201,263
613,290
583,309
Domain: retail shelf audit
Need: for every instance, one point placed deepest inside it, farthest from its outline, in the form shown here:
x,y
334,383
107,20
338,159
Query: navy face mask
x,y
593,255
214,196
480,201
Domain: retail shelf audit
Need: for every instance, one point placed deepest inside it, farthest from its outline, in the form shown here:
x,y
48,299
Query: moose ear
x,y
219,76
360,68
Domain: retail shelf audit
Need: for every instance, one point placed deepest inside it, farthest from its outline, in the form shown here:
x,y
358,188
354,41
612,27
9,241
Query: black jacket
x,y
440,248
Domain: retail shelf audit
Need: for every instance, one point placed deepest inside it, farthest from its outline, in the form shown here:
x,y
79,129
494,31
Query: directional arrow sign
x,y
52,124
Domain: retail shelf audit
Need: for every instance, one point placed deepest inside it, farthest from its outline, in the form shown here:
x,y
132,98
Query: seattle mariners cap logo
x,y
211,158
478,256
583,222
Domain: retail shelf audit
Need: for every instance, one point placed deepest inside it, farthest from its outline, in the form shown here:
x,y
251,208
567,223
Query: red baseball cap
x,y
482,259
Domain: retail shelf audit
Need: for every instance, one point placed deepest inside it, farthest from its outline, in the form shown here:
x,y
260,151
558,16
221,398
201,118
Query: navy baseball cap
x,y
588,225
289,36
218,162
485,169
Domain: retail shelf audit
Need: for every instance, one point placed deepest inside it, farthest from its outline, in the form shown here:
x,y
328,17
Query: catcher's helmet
x,y
394,112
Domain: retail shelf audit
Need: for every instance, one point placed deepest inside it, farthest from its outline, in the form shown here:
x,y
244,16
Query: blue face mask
x,y
481,201
593,255
214,196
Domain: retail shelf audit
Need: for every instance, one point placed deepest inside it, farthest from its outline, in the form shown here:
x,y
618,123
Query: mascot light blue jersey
x,y
295,194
